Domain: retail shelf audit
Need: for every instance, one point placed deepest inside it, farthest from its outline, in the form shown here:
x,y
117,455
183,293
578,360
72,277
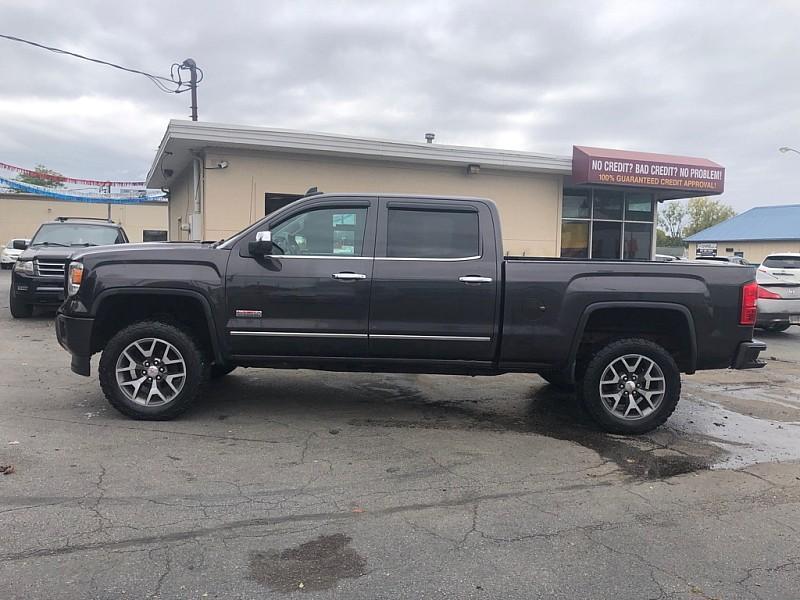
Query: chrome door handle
x,y
348,276
475,279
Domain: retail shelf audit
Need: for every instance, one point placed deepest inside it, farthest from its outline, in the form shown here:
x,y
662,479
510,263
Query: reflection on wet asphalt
x,y
701,434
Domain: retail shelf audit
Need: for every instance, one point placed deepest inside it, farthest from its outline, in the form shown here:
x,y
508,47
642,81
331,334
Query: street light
x,y
786,149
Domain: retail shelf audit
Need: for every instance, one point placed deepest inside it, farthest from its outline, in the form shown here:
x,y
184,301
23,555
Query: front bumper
x,y
75,336
747,355
38,290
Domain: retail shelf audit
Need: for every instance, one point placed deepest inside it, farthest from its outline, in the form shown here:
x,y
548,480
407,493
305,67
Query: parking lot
x,y
282,483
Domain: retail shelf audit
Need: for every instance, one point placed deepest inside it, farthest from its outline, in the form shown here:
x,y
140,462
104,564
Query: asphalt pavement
x,y
292,484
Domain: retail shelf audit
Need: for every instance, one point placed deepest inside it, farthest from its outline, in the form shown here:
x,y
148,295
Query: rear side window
x,y
419,233
782,262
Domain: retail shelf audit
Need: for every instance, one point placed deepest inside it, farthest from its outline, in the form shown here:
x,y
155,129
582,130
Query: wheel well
x,y
666,327
120,310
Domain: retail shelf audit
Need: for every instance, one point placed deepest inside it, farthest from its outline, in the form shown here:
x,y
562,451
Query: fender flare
x,y
592,308
209,314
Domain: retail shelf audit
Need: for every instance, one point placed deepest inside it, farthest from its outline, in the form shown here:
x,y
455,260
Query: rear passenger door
x,y
435,281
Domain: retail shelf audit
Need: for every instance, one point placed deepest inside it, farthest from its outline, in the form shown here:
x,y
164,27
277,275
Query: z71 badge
x,y
248,314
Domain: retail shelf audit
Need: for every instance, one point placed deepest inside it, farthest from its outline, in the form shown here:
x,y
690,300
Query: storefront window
x,y
608,205
577,204
575,239
607,224
638,207
606,239
638,241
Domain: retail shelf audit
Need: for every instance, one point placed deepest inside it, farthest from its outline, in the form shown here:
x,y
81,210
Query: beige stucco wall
x,y
753,251
529,204
180,205
21,215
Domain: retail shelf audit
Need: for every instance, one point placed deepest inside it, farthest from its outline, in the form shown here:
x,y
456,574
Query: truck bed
x,y
552,300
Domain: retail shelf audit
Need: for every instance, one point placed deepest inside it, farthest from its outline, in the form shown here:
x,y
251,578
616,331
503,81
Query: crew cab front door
x,y
435,281
310,295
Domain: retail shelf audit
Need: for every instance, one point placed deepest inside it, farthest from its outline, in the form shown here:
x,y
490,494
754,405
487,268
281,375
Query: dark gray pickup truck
x,y
382,283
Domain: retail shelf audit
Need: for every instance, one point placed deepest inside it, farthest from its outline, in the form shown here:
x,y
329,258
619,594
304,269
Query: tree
x,y
37,179
706,212
671,219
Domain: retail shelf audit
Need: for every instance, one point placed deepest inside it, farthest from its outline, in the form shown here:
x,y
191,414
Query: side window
x,y
420,233
322,232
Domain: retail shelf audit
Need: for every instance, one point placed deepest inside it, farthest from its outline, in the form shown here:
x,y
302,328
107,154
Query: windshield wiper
x,y
50,244
85,244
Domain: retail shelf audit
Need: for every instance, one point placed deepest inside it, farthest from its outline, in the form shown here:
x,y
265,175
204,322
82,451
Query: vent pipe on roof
x,y
429,137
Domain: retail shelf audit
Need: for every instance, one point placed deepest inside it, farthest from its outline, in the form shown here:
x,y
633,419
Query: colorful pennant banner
x,y
61,178
95,198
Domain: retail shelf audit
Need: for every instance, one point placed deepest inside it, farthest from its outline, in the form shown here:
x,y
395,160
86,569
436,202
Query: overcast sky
x,y
711,79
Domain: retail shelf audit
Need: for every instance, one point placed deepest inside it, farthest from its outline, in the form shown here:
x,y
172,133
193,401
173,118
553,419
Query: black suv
x,y
38,275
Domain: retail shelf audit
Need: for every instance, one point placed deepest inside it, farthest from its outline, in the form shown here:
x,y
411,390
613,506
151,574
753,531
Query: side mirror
x,y
21,244
263,244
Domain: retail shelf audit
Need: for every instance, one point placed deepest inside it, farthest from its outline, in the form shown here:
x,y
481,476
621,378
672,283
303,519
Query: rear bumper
x,y
747,355
75,336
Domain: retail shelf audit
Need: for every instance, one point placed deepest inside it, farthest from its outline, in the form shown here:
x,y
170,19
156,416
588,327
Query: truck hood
x,y
58,253
160,250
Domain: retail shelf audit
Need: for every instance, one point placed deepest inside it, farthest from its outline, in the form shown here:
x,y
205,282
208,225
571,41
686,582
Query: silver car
x,y
11,251
778,280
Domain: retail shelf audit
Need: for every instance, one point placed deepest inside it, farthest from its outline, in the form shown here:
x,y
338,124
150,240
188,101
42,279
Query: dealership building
x,y
597,203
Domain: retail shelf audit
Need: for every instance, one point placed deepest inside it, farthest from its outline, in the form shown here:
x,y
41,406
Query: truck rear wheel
x,y
631,386
152,371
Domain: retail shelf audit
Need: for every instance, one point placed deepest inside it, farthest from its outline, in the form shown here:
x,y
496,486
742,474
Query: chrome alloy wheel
x,y
151,372
632,387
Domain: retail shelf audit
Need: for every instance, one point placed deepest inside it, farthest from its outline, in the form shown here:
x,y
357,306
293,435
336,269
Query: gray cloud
x,y
714,79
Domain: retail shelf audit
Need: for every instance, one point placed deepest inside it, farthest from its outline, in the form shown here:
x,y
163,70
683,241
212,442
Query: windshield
x,y
782,262
69,234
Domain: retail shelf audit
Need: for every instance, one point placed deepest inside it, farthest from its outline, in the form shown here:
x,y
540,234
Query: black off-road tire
x,y
218,371
19,309
197,370
589,392
558,379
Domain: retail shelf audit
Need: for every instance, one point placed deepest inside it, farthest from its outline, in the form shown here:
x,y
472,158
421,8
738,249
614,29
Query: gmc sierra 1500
x,y
392,283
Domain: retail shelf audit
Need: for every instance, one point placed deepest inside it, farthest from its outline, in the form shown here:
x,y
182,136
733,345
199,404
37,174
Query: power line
x,y
174,79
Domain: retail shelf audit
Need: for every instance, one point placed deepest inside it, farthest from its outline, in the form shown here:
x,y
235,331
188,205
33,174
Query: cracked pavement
x,y
393,486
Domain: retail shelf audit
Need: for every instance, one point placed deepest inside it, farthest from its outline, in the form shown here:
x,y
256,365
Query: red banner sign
x,y
645,170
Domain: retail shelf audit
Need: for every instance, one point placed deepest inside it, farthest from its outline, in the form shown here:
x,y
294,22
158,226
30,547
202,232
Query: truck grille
x,y
50,268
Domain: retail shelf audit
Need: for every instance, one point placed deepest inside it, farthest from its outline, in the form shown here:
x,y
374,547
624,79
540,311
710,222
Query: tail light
x,y
766,294
749,304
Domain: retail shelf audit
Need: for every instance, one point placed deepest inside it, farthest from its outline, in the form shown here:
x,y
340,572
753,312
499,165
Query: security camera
x,y
223,164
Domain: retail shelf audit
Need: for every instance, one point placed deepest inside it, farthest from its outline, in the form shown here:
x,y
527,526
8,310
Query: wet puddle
x,y
315,565
700,435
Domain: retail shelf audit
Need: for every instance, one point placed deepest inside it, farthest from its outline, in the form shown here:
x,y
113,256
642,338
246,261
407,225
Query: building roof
x,y
762,223
183,138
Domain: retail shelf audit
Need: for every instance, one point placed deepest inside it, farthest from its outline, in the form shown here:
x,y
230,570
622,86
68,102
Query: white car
x,y
778,280
11,252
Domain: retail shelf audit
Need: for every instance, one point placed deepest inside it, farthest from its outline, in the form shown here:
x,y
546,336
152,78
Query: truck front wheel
x,y
631,386
152,371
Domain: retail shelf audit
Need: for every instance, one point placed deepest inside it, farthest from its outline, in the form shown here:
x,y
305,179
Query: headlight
x,y
74,278
24,266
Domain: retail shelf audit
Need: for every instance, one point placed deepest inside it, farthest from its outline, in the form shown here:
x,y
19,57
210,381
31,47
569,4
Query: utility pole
x,y
192,66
